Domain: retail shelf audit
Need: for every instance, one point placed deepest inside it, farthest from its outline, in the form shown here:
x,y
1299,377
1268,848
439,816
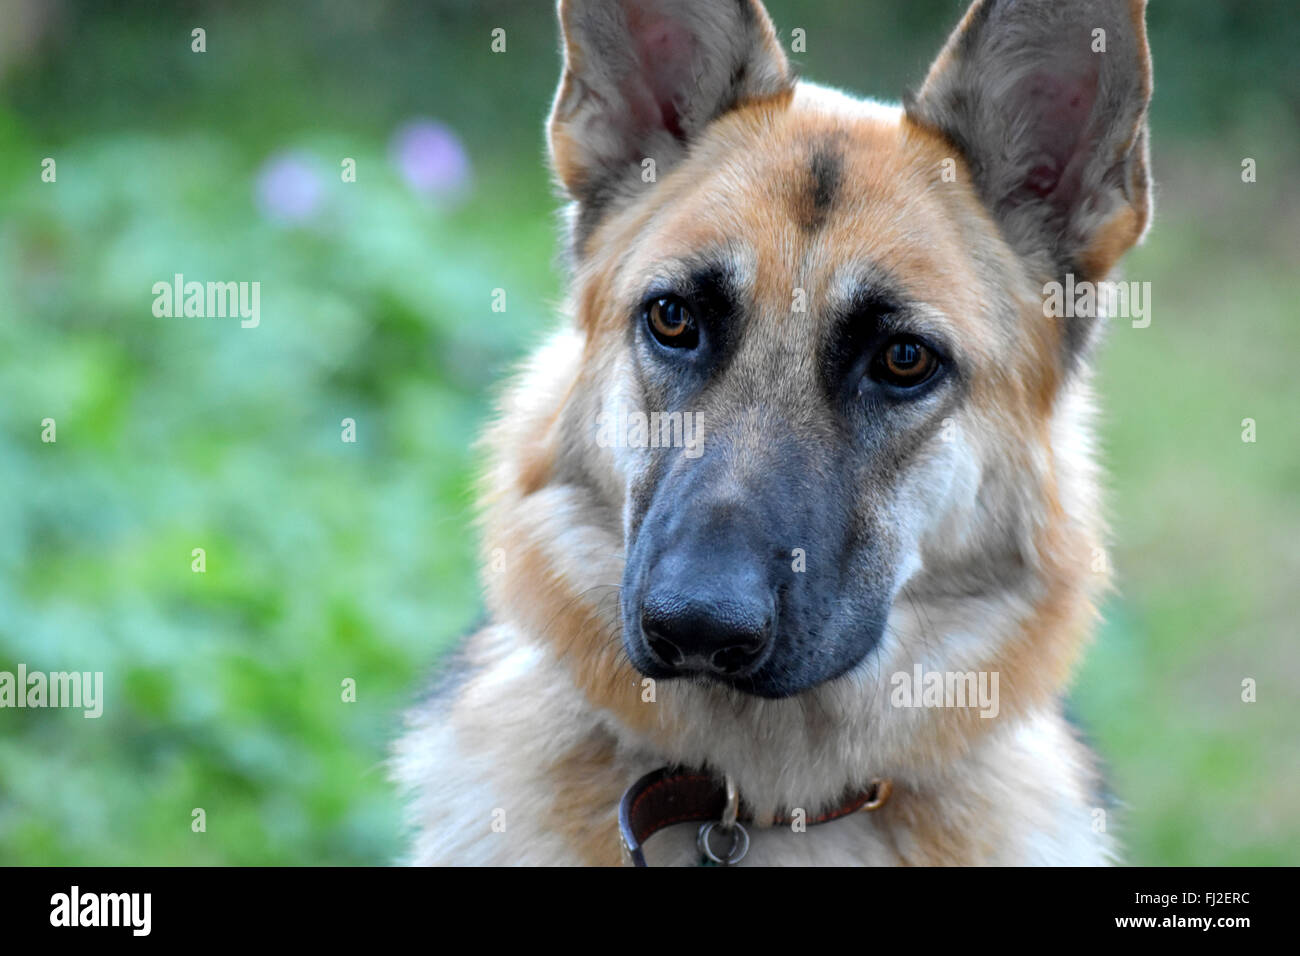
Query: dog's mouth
x,y
754,682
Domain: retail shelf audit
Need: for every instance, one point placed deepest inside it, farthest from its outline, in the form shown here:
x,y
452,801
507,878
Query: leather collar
x,y
673,795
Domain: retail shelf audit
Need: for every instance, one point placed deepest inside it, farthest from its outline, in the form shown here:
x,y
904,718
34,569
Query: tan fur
x,y
550,724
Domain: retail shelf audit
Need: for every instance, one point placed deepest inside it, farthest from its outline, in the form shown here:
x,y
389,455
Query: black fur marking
x,y
825,172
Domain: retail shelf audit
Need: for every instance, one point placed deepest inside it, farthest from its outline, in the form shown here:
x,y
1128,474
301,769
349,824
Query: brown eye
x,y
671,323
905,363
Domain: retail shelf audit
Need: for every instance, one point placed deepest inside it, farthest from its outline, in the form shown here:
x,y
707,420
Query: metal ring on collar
x,y
735,853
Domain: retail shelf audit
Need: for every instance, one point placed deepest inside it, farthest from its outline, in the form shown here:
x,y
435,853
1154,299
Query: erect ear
x,y
1047,101
642,78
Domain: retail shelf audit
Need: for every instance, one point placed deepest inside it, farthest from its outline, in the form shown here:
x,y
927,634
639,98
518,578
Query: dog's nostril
x,y
665,650
730,660
696,633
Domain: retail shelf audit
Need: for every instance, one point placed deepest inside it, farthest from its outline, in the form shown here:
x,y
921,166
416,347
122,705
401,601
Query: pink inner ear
x,y
665,52
1057,109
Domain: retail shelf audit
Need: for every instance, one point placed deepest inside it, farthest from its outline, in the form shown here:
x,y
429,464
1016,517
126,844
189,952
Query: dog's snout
x,y
707,620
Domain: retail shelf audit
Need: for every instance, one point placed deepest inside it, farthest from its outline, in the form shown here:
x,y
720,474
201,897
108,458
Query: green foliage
x,y
324,560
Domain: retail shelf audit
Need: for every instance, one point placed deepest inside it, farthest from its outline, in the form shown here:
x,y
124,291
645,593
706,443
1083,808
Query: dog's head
x,y
817,370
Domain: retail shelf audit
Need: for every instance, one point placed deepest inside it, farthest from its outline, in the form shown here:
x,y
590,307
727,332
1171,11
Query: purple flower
x,y
431,159
289,188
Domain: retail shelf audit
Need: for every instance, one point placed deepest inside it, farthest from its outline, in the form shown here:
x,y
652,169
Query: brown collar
x,y
672,795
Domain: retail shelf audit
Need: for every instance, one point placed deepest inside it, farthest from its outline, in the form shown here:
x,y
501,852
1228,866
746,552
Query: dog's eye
x,y
904,362
671,323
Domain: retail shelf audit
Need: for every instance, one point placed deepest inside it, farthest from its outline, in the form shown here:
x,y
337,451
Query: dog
x,y
808,457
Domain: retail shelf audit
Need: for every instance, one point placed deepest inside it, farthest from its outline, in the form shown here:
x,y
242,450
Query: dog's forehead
x,y
804,202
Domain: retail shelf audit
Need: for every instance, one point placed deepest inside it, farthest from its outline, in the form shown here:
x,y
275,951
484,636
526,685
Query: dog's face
x,y
795,303
831,313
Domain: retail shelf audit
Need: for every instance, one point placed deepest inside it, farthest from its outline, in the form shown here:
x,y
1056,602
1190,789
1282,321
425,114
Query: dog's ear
x,y
642,78
1047,102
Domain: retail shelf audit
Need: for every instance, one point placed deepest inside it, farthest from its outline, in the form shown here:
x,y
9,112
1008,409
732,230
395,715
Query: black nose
x,y
703,620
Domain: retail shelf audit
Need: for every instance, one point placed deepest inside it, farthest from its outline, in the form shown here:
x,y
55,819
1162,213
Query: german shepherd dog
x,y
809,458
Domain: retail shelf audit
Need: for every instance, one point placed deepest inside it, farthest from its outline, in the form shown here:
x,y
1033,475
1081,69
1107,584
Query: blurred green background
x,y
328,560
